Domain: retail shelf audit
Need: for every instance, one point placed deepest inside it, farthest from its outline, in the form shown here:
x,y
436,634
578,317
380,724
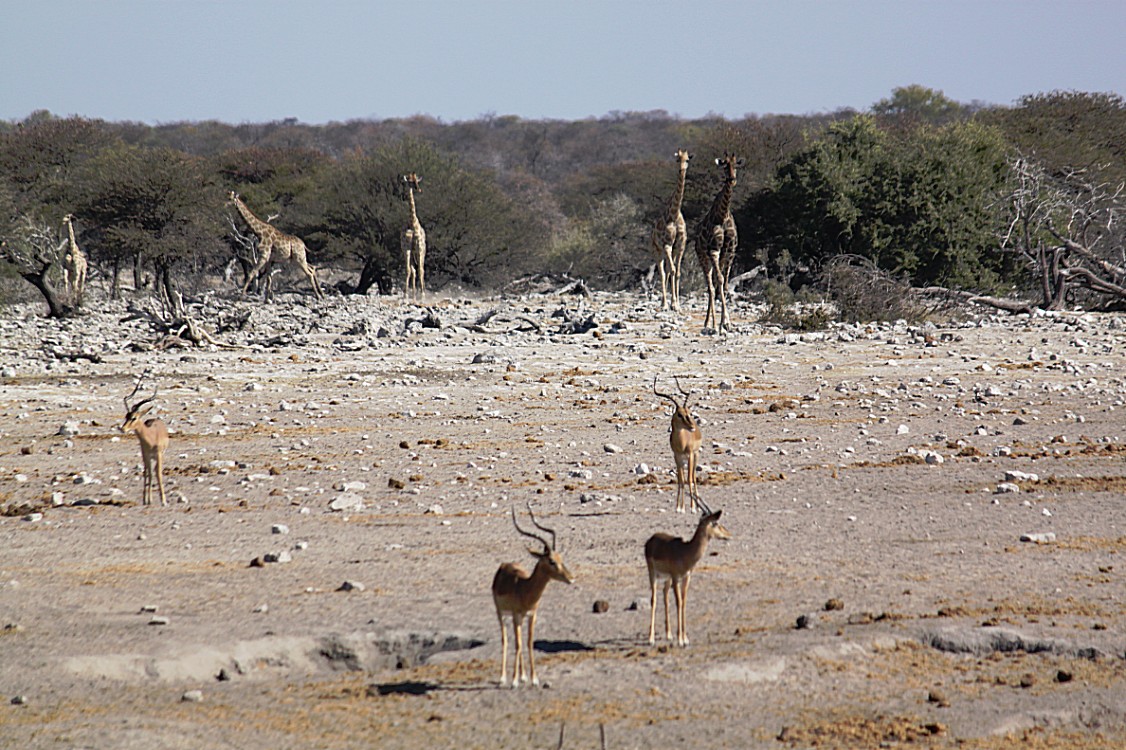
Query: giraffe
x,y
413,242
715,238
74,265
670,237
270,240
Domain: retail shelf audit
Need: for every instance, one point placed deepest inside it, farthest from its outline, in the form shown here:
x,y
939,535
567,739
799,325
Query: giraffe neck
x,y
722,205
73,242
257,226
410,198
678,195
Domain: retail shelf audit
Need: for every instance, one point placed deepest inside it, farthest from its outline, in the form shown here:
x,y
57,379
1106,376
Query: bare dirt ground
x,y
858,470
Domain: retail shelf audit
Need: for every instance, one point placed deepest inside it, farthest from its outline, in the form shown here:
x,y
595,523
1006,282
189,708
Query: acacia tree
x,y
33,250
923,203
156,207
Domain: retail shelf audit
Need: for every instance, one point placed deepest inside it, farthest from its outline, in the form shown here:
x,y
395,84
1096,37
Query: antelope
x,y
518,594
672,559
153,436
684,438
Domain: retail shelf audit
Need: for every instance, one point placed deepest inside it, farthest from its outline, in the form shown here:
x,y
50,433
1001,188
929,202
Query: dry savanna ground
x,y
877,481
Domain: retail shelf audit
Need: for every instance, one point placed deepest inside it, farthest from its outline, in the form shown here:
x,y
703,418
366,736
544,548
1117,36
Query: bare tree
x,y
1066,228
35,249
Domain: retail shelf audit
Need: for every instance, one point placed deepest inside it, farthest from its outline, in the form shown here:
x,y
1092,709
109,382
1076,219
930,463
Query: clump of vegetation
x,y
864,292
801,311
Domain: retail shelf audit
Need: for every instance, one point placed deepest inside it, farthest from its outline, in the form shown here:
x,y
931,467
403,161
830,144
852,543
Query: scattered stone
x,y
277,557
68,429
938,698
805,622
396,484
352,586
19,700
1006,488
223,676
192,696
600,606
434,510
834,604
1064,676
1020,476
1043,538
611,448
279,528
346,501
158,620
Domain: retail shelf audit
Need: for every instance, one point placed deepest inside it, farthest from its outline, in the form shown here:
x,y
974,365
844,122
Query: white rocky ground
x,y
878,481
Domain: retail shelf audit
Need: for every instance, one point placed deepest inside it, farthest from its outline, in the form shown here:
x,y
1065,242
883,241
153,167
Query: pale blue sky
x,y
241,61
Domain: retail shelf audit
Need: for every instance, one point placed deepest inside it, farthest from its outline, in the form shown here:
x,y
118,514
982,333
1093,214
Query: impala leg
x,y
693,493
146,481
680,480
532,647
159,458
668,630
682,610
503,650
518,668
652,607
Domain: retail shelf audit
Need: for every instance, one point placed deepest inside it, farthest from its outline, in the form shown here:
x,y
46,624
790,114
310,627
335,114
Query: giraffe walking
x,y
669,238
74,265
716,238
274,245
413,243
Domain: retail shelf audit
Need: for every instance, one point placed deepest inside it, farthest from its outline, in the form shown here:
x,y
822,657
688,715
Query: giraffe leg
x,y
421,270
263,261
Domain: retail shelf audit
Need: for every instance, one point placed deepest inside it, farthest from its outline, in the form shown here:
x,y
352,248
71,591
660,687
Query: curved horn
x,y
537,537
687,394
669,396
540,527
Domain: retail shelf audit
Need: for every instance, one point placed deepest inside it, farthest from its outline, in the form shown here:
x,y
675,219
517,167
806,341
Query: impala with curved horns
x,y
153,436
517,594
684,439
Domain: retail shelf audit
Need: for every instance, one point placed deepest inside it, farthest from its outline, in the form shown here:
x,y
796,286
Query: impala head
x,y
709,519
413,181
134,413
680,408
548,556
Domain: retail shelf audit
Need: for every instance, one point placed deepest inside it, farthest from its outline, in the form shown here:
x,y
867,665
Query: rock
x,y
834,604
352,586
611,448
938,698
1006,488
601,606
192,696
158,620
805,622
1046,537
19,700
1020,476
346,501
68,429
277,557
279,528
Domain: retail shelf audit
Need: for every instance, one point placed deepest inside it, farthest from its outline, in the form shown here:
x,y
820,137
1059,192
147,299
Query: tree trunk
x,y
38,279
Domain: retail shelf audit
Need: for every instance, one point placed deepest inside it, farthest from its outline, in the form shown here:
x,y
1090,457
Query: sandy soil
x,y
857,469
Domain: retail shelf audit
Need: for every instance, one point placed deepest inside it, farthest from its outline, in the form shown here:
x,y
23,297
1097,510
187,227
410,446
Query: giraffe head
x,y
68,218
729,163
682,158
232,196
413,181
